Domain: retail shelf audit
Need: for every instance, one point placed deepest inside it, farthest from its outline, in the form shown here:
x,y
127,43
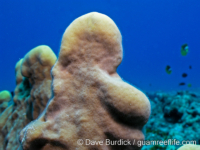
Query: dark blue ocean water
x,y
152,30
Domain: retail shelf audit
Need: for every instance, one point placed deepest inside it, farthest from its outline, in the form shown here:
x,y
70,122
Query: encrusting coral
x,y
3,119
36,66
32,78
16,119
90,100
5,97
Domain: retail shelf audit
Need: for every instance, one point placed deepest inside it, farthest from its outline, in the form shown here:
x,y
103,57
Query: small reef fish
x,y
184,49
184,75
168,69
182,83
189,85
190,67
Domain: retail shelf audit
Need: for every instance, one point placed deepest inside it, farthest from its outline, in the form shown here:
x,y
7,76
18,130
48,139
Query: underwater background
x,y
161,58
153,32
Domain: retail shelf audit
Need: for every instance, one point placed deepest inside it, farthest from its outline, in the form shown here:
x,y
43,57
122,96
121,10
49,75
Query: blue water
x,y
152,30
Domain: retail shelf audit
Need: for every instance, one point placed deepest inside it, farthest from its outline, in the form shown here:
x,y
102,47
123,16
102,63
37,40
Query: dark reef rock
x,y
174,116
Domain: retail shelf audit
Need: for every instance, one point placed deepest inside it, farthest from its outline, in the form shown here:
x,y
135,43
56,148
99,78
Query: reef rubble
x,y
176,116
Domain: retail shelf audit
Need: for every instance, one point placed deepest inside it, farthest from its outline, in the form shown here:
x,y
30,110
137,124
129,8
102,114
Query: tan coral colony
x,y
90,100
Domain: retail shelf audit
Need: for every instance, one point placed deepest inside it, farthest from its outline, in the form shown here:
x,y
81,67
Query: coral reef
x,y
174,116
3,119
16,118
90,100
36,66
87,99
32,78
5,98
